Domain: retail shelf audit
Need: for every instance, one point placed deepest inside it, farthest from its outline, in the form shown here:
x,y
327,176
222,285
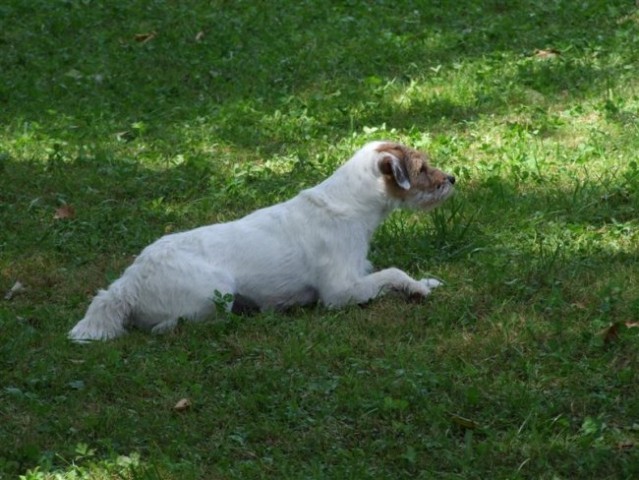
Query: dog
x,y
311,248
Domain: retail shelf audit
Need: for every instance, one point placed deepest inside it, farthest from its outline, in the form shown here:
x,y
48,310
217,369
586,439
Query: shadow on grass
x,y
553,232
256,77
121,210
121,206
208,79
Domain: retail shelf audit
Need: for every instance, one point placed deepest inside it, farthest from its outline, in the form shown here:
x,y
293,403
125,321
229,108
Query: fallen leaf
x,y
182,405
144,37
17,288
547,53
625,446
65,212
199,37
611,333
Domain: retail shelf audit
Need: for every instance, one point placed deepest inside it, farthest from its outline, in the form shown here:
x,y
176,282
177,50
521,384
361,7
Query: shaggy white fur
x,y
310,248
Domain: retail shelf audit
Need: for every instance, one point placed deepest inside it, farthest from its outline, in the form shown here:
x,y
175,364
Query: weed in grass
x,y
148,118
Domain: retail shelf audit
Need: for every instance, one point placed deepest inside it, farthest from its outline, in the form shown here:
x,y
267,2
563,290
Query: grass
x,y
154,116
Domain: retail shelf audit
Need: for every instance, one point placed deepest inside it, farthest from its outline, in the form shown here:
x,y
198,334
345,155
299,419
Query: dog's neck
x,y
355,194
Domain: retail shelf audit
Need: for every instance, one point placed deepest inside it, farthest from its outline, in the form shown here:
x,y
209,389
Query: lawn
x,y
122,121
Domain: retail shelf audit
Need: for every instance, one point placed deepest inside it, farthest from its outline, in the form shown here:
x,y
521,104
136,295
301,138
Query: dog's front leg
x,y
370,286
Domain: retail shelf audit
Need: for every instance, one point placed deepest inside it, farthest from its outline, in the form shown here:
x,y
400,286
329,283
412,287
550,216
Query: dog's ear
x,y
391,165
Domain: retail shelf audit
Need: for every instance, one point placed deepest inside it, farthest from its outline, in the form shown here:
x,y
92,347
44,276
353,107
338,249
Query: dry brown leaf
x,y
182,405
547,53
625,446
65,212
144,37
611,333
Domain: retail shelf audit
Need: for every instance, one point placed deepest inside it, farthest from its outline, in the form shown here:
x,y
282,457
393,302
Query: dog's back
x,y
311,247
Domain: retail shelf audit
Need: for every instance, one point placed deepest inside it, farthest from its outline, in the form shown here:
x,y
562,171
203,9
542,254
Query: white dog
x,y
309,248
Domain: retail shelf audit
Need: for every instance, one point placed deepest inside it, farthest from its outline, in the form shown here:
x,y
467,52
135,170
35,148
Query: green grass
x,y
155,116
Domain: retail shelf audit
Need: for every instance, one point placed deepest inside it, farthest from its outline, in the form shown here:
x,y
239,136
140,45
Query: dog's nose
x,y
451,179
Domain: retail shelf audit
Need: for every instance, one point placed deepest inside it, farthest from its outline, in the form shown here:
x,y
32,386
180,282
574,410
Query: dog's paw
x,y
431,283
422,289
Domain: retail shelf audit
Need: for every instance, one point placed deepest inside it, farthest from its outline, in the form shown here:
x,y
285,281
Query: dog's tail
x,y
107,315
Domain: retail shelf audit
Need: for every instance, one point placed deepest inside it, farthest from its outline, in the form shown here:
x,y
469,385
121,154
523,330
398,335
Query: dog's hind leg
x,y
208,292
370,286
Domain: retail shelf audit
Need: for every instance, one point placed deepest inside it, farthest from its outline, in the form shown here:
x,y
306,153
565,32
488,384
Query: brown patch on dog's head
x,y
409,177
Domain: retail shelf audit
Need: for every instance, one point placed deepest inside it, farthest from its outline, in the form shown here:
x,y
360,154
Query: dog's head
x,y
409,178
